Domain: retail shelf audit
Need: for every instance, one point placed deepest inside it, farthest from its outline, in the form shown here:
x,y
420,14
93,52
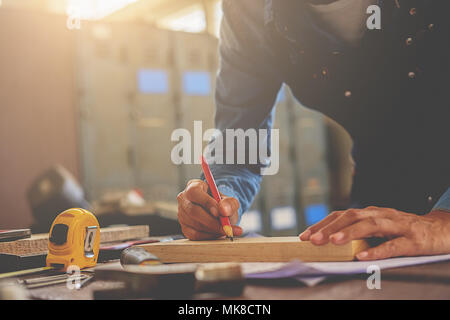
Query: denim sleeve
x,y
443,202
246,89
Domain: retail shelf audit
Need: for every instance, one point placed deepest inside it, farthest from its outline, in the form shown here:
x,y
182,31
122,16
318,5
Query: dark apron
x,y
391,94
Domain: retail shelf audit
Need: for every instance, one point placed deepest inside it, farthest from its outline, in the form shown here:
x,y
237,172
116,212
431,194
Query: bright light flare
x,y
191,19
94,9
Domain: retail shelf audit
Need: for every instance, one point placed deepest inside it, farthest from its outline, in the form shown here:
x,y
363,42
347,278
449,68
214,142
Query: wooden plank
x,y
112,234
38,243
272,249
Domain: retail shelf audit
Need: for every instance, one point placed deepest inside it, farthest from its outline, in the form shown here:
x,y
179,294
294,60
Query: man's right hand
x,y
198,212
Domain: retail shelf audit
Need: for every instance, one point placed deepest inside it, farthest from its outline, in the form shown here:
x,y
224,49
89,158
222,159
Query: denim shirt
x,y
252,71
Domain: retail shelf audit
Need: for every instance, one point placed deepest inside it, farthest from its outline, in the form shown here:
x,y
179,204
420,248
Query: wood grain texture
x,y
38,243
271,249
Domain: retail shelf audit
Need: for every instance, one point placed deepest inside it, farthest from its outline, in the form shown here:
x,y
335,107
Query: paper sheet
x,y
355,267
311,273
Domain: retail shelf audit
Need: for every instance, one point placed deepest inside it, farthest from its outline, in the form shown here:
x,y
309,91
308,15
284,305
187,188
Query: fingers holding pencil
x,y
229,207
198,212
197,192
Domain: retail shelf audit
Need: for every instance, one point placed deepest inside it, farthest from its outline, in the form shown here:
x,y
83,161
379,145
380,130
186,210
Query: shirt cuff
x,y
444,202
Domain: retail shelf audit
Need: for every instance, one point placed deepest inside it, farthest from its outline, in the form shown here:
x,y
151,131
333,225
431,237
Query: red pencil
x,y
215,192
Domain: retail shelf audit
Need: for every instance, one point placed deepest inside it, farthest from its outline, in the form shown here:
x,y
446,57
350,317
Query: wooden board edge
x,y
347,254
359,246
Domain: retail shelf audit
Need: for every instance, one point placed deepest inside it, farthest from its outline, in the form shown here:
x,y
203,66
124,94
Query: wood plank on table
x,y
270,249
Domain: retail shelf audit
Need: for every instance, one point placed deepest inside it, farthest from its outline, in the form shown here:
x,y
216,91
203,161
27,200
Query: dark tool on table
x,y
15,234
143,275
138,256
168,281
154,281
14,262
114,251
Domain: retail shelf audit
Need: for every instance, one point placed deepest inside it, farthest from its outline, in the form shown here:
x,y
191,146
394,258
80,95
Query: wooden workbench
x,y
430,281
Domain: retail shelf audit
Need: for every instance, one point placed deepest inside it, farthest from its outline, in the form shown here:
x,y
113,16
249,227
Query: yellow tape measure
x,y
74,239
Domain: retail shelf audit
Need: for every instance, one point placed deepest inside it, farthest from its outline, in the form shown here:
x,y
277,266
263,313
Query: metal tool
x,y
138,256
84,282
51,280
24,272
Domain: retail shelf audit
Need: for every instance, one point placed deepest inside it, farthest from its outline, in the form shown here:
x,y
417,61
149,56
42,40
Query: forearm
x,y
440,221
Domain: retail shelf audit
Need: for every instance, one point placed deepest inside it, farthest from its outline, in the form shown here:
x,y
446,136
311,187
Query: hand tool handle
x,y
138,256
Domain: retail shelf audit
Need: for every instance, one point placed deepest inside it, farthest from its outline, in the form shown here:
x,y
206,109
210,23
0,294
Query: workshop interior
x,y
88,116
91,92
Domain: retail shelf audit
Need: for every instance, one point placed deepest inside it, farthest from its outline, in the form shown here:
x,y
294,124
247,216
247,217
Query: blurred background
x,y
90,92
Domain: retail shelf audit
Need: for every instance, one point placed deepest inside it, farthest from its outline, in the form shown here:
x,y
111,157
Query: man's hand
x,y
407,234
198,212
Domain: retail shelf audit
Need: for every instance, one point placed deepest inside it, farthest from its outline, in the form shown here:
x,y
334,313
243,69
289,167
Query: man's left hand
x,y
407,234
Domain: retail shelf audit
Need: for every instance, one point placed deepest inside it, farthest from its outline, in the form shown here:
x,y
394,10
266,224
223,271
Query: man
x,y
388,87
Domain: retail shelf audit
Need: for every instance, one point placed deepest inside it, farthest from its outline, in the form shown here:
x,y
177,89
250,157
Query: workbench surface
x,y
431,281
